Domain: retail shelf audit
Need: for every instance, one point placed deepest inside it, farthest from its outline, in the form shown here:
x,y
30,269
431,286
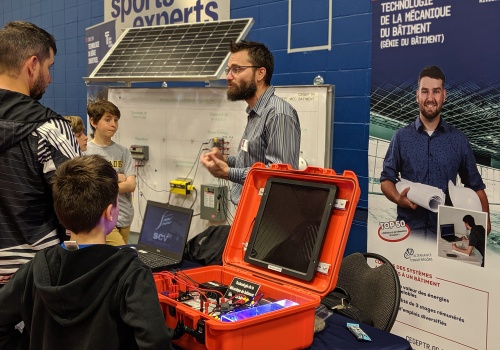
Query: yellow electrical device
x,y
181,186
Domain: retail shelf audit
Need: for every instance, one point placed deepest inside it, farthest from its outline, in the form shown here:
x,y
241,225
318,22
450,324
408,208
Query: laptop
x,y
163,235
448,233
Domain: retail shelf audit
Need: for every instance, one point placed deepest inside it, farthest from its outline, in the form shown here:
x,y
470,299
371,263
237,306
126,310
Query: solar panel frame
x,y
181,52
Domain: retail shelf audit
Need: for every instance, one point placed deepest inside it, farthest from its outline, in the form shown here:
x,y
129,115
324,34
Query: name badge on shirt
x,y
244,145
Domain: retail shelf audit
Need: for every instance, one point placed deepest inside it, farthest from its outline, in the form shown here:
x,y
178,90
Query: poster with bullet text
x,y
447,249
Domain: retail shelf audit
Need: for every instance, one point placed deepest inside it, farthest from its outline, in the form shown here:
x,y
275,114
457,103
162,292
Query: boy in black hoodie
x,y
84,294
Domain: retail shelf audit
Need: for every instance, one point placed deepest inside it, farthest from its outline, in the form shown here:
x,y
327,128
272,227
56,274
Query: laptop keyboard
x,y
155,261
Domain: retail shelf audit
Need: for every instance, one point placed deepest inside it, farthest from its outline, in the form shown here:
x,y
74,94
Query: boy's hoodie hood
x,y
19,116
73,295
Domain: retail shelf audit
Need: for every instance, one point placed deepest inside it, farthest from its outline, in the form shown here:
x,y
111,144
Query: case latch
x,y
340,204
323,268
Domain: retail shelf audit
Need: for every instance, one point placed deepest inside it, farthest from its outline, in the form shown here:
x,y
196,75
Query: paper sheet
x,y
428,197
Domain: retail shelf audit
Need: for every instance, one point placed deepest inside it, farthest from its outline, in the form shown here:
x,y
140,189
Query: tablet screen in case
x,y
291,223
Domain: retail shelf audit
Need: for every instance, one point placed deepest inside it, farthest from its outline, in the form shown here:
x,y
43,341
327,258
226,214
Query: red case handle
x,y
281,167
319,171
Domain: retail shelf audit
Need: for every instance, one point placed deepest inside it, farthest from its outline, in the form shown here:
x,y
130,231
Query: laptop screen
x,y
447,230
165,228
291,223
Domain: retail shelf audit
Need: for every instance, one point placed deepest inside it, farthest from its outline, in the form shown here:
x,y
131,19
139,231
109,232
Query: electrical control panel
x,y
220,143
213,205
139,152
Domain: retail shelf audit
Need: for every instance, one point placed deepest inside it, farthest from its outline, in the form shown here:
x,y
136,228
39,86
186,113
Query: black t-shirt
x,y
477,239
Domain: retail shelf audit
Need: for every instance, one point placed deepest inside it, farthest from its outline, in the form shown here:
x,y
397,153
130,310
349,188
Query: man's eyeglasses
x,y
237,69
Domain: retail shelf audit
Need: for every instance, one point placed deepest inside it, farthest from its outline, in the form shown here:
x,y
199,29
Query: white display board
x,y
177,124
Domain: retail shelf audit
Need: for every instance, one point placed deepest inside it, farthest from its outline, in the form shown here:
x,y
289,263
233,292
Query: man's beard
x,y
242,92
38,89
430,115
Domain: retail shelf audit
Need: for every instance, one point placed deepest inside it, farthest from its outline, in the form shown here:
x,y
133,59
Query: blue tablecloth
x,y
336,336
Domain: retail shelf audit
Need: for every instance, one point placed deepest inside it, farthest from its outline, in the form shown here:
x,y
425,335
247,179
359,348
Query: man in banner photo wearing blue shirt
x,y
431,152
272,133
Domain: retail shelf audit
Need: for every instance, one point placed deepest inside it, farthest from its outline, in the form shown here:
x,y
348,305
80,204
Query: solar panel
x,y
181,52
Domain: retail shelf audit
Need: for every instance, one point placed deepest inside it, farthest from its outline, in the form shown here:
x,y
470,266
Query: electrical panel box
x,y
213,202
139,152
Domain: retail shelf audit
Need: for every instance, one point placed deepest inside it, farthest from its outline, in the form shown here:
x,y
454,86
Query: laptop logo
x,y
161,236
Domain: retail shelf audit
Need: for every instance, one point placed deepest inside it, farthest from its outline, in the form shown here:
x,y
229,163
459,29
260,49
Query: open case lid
x,y
347,192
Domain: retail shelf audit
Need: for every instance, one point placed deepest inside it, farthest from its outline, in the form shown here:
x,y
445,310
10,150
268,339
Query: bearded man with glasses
x,y
272,133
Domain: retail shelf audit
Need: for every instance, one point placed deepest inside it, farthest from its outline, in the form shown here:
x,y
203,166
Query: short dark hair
x,y
97,109
469,220
259,56
19,40
433,72
83,187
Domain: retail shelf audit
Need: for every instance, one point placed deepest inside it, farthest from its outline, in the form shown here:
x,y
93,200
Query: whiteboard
x,y
177,123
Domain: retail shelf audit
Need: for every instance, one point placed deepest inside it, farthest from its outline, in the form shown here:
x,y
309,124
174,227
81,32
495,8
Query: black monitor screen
x,y
447,230
291,224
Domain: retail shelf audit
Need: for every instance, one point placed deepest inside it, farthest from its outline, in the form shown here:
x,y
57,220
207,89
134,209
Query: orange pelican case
x,y
287,328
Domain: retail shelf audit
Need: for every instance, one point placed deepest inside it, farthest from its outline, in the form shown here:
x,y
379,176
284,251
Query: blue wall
x,y
347,65
67,21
